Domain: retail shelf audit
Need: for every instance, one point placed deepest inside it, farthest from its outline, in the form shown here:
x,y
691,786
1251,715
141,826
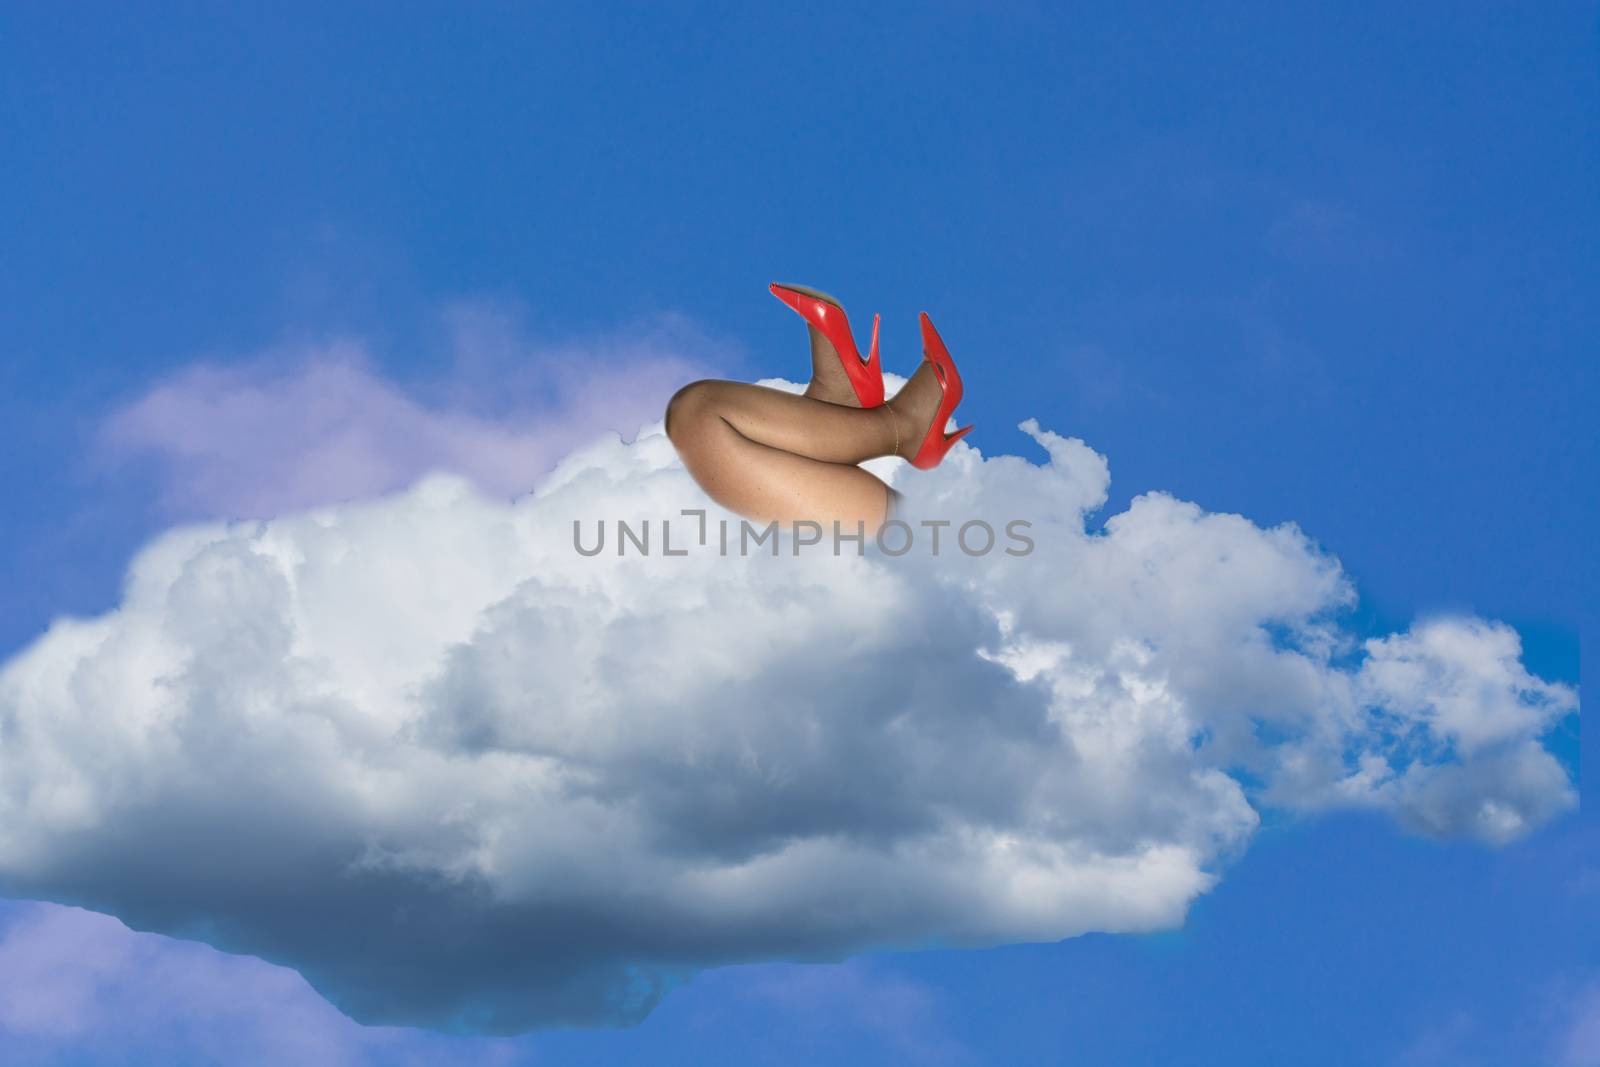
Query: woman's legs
x,y
770,455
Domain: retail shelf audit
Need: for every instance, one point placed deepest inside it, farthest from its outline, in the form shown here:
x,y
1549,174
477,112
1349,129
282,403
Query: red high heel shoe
x,y
936,443
825,313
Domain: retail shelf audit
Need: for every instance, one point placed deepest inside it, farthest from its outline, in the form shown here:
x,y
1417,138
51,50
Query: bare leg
x,y
771,455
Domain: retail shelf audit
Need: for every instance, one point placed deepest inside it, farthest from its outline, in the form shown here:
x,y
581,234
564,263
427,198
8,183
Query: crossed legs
x,y
770,455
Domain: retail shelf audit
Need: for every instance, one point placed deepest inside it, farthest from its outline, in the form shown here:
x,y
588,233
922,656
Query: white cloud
x,y
1464,683
460,776
310,424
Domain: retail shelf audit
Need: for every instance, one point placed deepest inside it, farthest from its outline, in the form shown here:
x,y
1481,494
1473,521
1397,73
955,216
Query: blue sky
x,y
1335,266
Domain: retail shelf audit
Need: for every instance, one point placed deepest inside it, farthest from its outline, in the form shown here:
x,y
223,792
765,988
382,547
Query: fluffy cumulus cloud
x,y
460,775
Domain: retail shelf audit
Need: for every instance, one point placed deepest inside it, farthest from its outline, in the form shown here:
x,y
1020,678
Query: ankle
x,y
897,429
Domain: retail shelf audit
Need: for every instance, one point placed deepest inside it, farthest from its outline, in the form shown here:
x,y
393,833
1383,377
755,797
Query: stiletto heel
x,y
936,442
827,315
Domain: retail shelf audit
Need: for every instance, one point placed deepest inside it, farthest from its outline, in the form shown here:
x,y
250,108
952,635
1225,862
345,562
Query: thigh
x,y
802,425
764,483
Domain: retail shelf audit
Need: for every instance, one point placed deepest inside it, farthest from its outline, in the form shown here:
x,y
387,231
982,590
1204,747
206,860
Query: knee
x,y
688,407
